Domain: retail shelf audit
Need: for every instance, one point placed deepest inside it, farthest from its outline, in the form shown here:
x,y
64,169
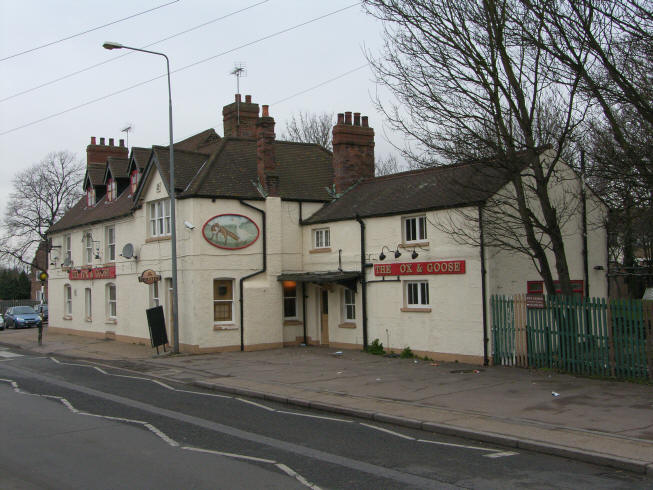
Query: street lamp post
x,y
173,219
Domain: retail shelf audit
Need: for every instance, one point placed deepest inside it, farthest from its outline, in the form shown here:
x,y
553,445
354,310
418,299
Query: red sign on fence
x,y
108,272
420,268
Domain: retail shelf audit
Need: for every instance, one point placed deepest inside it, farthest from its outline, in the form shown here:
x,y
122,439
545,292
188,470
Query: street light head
x,y
110,45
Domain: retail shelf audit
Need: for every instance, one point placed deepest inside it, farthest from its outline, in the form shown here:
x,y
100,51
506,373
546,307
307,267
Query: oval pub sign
x,y
230,231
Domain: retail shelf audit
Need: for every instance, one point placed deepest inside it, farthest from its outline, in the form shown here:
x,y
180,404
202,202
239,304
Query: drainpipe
x,y
304,298
363,281
583,196
486,360
242,279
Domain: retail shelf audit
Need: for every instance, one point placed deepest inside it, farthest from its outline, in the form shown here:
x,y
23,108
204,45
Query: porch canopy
x,y
344,278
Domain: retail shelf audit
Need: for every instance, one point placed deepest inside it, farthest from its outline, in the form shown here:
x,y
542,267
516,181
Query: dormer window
x,y
133,179
111,190
90,196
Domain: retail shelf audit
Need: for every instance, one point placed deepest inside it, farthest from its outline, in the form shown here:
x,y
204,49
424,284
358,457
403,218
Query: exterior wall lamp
x,y
382,256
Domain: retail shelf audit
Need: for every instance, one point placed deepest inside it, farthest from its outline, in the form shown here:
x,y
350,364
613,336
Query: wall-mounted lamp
x,y
396,252
414,255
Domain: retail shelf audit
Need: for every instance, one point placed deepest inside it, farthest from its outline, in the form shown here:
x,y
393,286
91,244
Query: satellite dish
x,y
128,251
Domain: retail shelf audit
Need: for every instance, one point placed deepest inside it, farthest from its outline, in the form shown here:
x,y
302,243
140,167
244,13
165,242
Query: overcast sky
x,y
281,70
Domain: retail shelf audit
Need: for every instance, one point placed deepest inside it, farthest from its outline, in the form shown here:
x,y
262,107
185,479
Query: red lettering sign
x,y
108,272
420,268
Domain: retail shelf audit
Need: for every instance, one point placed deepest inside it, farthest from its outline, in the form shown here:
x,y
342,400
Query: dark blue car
x,y
22,317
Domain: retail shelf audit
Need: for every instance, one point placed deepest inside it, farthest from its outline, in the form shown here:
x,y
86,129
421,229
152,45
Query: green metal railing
x,y
586,336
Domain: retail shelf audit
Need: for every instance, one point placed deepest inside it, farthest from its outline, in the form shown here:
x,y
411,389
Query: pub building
x,y
283,243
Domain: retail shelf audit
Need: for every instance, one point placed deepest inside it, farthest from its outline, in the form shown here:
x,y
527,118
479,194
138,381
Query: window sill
x,y
225,326
157,239
319,250
417,310
67,317
347,325
111,321
291,323
413,244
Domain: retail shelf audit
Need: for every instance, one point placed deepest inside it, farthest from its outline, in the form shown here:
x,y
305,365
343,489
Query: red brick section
x,y
353,151
248,117
99,153
265,157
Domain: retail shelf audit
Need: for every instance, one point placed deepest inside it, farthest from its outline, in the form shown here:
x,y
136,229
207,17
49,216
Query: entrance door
x,y
324,317
168,307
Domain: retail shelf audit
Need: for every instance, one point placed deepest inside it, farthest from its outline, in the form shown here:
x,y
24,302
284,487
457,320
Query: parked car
x,y
22,317
43,311
2,323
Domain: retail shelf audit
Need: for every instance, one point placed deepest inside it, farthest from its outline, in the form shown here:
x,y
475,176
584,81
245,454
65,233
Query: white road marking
x,y
397,434
315,416
249,402
9,355
163,436
494,452
500,455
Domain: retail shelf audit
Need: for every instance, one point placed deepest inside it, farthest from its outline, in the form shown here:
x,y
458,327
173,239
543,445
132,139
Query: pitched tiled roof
x,y
118,167
204,142
417,190
81,214
95,173
305,171
141,156
187,164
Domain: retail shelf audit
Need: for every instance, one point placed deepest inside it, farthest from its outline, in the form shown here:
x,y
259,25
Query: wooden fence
x,y
586,336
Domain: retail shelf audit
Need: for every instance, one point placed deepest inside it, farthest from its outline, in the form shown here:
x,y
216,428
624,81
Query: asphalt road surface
x,y
99,427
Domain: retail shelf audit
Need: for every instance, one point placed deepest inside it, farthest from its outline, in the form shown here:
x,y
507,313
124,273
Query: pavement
x,y
598,421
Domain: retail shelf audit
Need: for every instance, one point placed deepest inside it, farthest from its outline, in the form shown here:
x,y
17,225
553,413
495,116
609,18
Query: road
x,y
93,426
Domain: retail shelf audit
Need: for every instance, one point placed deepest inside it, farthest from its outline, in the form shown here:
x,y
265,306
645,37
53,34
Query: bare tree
x,y
42,194
607,46
469,87
386,166
308,127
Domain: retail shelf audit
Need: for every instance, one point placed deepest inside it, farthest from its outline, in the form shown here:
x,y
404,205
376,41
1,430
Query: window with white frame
x,y
417,294
90,196
349,306
414,229
88,248
321,238
112,303
110,240
112,190
67,252
68,300
88,304
133,180
223,300
154,295
289,299
159,218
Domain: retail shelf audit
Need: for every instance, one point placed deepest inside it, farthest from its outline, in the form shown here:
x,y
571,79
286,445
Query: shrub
x,y
406,353
376,348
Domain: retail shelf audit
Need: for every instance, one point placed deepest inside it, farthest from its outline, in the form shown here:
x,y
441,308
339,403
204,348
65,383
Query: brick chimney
x,y
98,154
353,150
265,158
239,118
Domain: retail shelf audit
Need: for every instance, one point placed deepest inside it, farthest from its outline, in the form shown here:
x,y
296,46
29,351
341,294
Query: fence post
x,y
647,307
611,341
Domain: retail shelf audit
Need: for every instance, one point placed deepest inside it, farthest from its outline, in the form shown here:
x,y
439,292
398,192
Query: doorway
x,y
324,317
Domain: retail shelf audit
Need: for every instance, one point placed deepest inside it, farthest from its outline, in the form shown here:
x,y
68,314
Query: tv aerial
x,y
239,71
127,129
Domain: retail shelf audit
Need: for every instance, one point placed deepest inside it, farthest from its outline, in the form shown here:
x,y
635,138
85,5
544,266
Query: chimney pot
x,y
102,141
248,99
237,97
92,140
357,118
266,112
110,141
364,121
341,118
122,142
348,117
